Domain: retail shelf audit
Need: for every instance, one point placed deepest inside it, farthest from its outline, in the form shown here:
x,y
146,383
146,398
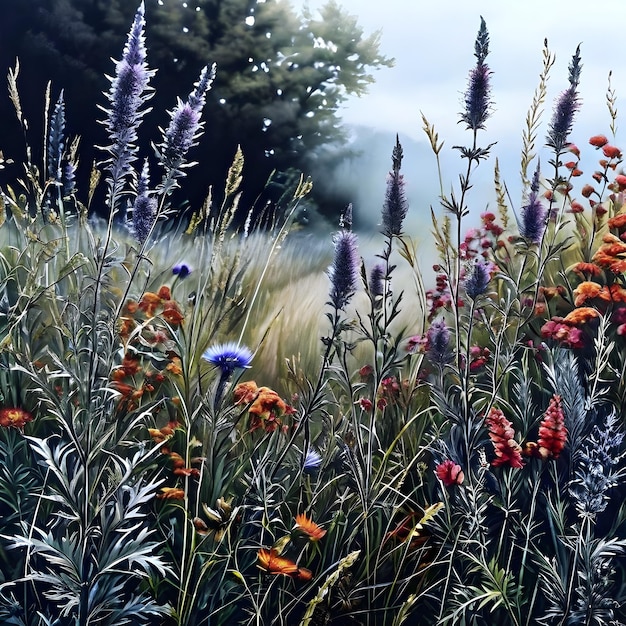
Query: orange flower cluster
x,y
552,433
501,433
266,407
171,493
14,418
611,255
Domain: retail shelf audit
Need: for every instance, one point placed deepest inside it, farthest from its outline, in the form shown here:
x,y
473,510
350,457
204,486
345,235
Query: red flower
x,y
15,418
587,190
598,141
611,152
449,473
273,563
552,431
501,433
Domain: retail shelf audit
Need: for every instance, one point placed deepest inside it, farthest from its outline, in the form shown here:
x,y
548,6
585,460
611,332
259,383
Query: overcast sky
x,y
432,43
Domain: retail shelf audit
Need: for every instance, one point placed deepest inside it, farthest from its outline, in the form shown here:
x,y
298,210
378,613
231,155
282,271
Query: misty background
x,y
432,43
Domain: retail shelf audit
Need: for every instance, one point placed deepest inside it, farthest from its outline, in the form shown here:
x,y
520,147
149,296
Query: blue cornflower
x,y
533,221
478,280
344,271
312,461
182,270
228,357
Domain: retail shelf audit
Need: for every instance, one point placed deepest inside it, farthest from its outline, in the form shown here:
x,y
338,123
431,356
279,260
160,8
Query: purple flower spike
x,y
533,213
477,96
565,108
344,271
395,206
127,94
438,343
144,207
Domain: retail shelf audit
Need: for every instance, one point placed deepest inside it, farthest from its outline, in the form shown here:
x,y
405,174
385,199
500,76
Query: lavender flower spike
x,y
127,94
476,97
56,140
184,128
565,108
344,271
144,208
395,206
533,213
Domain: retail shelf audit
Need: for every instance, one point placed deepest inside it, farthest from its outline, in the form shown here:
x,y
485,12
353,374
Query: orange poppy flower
x,y
309,527
586,268
171,313
165,293
273,563
149,302
15,418
246,392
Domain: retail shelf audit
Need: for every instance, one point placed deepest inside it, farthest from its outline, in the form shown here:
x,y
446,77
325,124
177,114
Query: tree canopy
x,y
281,78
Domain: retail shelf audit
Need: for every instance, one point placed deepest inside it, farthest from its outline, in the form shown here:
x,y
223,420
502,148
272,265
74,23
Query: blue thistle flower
x,y
476,97
312,461
182,270
127,94
184,128
144,207
344,271
533,221
228,357
395,206
565,108
56,140
438,343
478,280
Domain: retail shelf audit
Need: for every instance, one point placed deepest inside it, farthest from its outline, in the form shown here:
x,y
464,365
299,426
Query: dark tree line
x,y
281,78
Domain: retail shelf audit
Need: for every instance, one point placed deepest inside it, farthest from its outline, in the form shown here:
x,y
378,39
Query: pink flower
x,y
449,473
552,431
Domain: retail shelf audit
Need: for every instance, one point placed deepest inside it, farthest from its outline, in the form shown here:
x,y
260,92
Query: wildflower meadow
x,y
215,421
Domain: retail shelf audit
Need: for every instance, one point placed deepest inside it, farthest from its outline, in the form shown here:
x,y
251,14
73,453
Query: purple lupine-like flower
x,y
395,206
438,343
144,207
533,221
565,108
344,272
478,280
127,94
56,140
185,126
476,97
376,282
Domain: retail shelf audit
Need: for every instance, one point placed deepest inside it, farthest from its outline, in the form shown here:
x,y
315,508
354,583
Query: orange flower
x,y
271,562
175,366
165,293
171,493
598,141
171,313
309,527
149,303
586,268
619,221
245,393
587,290
611,152
14,418
581,316
501,433
552,431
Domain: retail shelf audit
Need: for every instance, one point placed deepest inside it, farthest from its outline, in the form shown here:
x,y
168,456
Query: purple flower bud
x,y
438,343
144,207
395,206
376,282
533,213
344,272
478,280
182,270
